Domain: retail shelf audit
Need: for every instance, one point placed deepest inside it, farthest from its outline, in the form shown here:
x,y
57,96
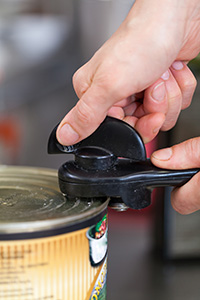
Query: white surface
x,y
29,40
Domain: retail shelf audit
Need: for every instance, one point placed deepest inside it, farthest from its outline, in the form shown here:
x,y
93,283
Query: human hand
x,y
186,155
158,107
124,77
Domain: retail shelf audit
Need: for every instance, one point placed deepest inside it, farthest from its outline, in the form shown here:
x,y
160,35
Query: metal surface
x,y
30,200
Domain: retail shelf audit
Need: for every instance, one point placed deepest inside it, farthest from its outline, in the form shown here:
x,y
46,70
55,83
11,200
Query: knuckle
x,y
178,203
175,101
183,203
190,84
187,104
193,149
75,77
79,83
169,124
84,113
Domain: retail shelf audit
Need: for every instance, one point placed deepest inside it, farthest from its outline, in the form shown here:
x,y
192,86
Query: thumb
x,y
85,117
185,199
181,156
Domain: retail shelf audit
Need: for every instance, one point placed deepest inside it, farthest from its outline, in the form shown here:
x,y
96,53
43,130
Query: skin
x,y
185,199
140,74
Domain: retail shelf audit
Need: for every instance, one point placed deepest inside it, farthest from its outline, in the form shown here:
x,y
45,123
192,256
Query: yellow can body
x,y
55,254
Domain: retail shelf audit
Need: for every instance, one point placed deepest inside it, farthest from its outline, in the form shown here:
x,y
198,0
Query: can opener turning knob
x,y
112,163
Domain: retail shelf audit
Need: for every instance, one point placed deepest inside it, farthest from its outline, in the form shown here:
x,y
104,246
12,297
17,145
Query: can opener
x,y
112,163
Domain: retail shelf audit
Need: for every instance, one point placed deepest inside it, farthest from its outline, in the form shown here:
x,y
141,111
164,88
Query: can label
x,y
71,266
99,290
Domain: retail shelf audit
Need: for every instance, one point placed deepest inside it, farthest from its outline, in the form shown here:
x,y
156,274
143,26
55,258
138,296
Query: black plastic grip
x,y
112,163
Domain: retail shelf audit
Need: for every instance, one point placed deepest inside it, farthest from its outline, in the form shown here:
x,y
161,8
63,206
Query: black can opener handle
x,y
112,163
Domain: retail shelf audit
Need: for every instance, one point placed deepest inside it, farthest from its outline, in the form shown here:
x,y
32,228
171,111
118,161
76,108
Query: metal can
x,y
51,247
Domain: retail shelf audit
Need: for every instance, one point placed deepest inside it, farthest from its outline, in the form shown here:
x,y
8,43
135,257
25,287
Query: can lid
x,y
30,200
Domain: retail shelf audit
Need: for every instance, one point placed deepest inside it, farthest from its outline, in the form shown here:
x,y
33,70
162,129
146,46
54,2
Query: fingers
x,y
116,112
163,96
174,98
125,107
186,155
85,117
148,126
168,95
186,81
181,156
155,99
171,93
186,199
82,80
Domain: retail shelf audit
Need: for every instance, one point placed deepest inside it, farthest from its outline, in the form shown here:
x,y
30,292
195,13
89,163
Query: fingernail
x,y
164,154
177,65
67,135
159,92
165,76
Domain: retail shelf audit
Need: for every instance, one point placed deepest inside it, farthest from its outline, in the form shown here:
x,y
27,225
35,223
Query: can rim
x,y
32,226
50,223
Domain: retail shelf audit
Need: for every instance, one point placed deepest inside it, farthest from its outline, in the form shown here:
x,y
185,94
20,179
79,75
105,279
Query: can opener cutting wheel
x,y
112,163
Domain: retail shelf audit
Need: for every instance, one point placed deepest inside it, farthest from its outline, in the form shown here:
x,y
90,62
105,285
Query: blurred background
x,y
153,253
